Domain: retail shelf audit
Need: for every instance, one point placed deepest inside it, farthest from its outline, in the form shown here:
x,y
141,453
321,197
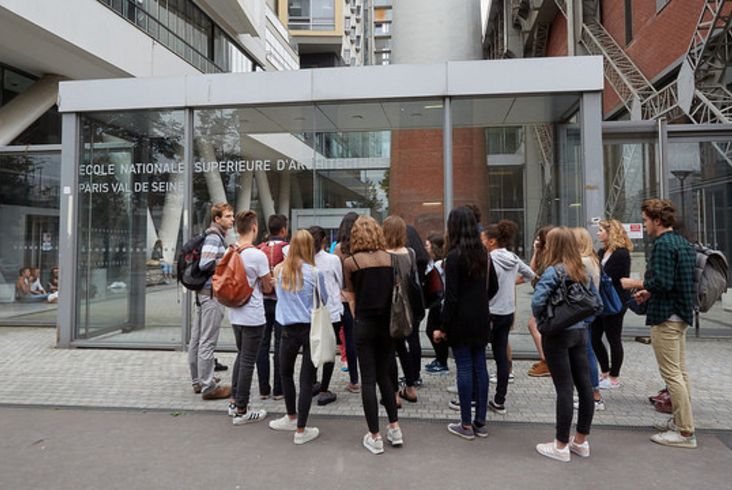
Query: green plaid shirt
x,y
670,279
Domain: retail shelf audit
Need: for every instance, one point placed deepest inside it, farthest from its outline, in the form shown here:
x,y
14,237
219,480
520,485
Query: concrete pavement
x,y
76,449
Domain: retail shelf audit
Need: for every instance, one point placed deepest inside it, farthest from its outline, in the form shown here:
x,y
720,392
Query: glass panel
x,y
700,185
131,184
29,207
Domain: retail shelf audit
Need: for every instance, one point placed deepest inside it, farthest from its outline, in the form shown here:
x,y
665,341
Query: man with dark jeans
x,y
248,321
275,249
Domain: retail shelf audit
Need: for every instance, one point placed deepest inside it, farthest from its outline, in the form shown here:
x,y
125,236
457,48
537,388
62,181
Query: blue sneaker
x,y
437,368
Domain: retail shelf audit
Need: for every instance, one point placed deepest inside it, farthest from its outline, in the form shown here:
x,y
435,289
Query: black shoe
x,y
219,367
326,397
316,389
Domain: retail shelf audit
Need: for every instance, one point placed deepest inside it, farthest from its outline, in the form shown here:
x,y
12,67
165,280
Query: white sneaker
x,y
581,450
599,405
606,384
307,435
674,439
510,378
283,423
394,436
232,409
666,425
250,417
452,389
493,378
376,446
550,450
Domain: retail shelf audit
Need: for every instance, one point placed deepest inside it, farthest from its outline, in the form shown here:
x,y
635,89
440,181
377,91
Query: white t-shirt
x,y
252,313
332,269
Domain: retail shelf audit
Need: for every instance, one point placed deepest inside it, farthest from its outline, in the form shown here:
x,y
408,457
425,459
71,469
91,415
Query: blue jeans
x,y
592,360
471,371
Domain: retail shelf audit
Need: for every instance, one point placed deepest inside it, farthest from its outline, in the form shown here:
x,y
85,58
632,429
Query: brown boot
x,y
539,370
221,391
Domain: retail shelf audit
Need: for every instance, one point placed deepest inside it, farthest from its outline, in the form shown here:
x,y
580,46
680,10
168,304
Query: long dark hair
x,y
414,241
463,236
344,232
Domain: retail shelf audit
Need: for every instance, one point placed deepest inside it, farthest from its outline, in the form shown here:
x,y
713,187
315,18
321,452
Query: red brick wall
x,y
557,43
416,175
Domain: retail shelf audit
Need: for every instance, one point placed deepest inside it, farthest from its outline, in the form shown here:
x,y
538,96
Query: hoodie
x,y
507,266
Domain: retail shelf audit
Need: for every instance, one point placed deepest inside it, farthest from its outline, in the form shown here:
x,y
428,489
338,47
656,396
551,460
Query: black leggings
x,y
328,366
375,350
433,322
501,327
566,357
612,327
293,337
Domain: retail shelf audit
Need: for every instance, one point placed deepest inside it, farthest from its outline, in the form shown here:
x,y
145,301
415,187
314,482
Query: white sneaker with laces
x,y
606,384
307,435
673,438
394,436
493,378
376,446
452,389
510,378
250,417
599,405
581,450
550,450
283,423
232,409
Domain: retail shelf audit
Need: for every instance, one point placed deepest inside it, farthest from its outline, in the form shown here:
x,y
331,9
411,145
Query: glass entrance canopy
x,y
143,160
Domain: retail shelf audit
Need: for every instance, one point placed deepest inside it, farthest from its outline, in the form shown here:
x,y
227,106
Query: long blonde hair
x,y
561,248
617,237
302,251
584,244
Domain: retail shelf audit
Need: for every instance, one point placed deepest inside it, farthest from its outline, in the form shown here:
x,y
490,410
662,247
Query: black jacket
x,y
617,267
465,311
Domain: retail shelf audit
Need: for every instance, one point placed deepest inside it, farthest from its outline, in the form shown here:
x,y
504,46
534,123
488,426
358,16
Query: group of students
x,y
28,287
478,273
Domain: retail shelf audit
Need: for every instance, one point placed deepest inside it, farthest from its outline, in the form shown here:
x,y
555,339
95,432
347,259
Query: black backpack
x,y
710,277
189,275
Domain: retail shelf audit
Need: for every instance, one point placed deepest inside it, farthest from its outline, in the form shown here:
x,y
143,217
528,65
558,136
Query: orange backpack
x,y
230,284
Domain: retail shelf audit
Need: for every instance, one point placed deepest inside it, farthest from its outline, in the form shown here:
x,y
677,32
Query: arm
x,y
492,282
547,284
525,273
209,251
452,290
323,289
663,265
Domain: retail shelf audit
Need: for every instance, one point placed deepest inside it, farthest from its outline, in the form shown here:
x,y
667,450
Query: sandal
x,y
403,394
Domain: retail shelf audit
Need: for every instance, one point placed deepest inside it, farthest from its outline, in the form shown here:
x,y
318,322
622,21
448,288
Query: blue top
x,y
548,282
296,306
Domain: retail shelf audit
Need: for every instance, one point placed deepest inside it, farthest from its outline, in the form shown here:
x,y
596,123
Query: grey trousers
x,y
204,336
247,345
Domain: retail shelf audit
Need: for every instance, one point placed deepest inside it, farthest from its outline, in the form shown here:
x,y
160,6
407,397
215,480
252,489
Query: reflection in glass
x,y
131,179
29,202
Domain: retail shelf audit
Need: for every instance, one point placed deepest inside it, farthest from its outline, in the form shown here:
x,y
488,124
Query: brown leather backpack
x,y
230,284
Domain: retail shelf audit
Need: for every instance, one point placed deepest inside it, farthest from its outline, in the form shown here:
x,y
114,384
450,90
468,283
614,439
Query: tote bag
x,y
400,322
611,303
322,336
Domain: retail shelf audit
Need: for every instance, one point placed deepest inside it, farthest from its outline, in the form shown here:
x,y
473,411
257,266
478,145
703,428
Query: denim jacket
x,y
548,282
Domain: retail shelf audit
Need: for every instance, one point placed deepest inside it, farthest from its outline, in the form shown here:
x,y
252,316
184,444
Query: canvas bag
x,y
400,321
230,285
322,335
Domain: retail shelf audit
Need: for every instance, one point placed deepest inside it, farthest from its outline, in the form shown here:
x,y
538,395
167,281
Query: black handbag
x,y
400,321
570,303
637,308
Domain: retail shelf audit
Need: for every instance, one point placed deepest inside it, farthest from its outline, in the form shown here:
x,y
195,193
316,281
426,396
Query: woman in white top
x,y
330,267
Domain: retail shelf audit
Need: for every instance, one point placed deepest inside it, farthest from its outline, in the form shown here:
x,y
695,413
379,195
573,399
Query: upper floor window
x,y
311,15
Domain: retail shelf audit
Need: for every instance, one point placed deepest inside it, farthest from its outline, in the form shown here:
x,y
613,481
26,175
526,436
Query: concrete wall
x,y
432,31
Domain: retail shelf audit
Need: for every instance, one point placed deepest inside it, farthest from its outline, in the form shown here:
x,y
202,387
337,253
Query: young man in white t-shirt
x,y
248,321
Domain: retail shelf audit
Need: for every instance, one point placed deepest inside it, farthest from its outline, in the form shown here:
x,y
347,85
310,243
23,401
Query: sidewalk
x,y
36,373
92,449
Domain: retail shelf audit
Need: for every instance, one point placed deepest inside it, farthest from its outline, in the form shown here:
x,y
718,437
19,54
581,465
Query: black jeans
x,y
612,327
351,355
375,352
501,326
328,367
566,357
293,337
433,322
263,356
248,340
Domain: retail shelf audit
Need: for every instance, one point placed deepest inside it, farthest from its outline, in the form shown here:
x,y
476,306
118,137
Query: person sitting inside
x,y
35,280
23,289
52,285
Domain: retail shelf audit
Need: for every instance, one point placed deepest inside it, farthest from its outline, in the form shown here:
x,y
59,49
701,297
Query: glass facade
x,y
311,15
186,30
131,186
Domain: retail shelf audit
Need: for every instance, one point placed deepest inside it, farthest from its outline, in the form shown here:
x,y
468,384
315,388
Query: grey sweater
x,y
507,266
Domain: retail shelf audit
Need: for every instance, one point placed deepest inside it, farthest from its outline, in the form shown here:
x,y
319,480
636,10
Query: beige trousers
x,y
669,345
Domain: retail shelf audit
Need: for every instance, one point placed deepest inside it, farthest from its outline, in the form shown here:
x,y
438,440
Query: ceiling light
x,y
357,116
436,106
432,203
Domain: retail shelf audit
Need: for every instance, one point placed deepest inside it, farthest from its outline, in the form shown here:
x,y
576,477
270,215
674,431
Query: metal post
x,y
593,174
447,156
66,319
187,214
570,28
662,158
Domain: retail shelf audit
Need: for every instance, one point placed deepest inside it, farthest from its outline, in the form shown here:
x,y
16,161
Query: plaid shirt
x,y
670,279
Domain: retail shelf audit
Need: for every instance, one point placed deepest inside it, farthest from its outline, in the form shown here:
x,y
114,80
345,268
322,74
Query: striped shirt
x,y
212,251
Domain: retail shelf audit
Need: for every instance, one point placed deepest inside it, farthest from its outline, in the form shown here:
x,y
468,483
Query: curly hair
x,y
617,237
660,209
366,235
504,232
